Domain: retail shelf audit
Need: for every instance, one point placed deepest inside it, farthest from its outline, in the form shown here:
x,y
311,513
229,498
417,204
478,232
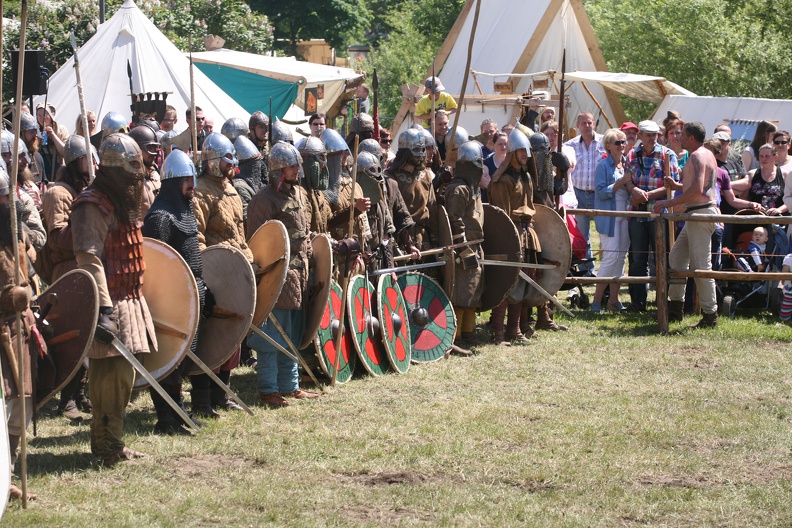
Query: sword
x,y
402,269
206,370
544,293
439,251
297,358
509,264
121,349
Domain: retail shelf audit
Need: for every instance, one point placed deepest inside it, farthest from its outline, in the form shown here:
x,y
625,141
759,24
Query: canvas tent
x,y
157,66
742,114
516,37
252,79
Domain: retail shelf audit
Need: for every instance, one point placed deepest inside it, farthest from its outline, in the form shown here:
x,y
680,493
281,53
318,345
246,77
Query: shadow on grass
x,y
40,464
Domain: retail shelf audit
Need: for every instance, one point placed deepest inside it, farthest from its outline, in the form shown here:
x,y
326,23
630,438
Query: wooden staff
x,y
669,192
18,271
464,86
345,289
83,111
561,116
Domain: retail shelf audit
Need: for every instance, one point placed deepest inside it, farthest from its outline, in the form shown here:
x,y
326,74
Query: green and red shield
x,y
325,343
393,320
365,326
432,319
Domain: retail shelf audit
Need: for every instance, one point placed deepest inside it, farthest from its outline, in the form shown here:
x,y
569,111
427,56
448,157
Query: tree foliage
x,y
711,47
339,22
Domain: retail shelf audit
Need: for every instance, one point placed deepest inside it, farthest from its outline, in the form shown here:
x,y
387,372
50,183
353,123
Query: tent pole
x,y
451,154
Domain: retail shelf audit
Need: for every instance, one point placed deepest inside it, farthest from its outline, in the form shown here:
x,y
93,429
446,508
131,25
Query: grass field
x,y
608,424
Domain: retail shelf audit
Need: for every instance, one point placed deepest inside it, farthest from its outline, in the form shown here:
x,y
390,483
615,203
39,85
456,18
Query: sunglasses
x,y
780,142
388,141
620,142
200,118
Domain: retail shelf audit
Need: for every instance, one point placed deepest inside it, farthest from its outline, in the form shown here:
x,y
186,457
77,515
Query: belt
x,y
698,206
585,191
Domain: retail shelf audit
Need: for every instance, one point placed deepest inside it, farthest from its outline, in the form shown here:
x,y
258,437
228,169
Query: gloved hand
x,y
559,161
15,299
209,303
107,325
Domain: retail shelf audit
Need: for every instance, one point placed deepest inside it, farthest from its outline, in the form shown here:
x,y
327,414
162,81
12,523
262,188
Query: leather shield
x,y
556,249
270,248
501,242
319,279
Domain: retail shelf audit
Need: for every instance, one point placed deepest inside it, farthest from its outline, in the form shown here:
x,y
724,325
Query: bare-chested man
x,y
692,247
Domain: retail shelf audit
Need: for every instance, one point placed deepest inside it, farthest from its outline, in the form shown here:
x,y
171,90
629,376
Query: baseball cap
x,y
628,125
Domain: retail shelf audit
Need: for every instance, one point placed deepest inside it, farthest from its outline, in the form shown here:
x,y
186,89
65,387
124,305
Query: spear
x,y
83,112
375,86
18,271
131,90
561,112
464,86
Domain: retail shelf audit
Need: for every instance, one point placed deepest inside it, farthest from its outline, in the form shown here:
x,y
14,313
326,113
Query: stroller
x,y
577,299
761,295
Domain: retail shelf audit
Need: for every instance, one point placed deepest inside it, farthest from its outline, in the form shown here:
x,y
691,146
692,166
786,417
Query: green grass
x,y
608,424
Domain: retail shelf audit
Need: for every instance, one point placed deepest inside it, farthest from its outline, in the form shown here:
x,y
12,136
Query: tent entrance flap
x,y
252,91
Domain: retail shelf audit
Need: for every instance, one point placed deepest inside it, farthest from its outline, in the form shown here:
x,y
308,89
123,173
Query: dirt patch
x,y
385,517
384,478
208,463
673,481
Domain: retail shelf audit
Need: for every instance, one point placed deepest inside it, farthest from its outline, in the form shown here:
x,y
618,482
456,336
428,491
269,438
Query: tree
x,y
339,22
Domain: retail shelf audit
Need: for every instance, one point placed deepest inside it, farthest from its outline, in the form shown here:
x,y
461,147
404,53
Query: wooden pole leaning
x,y
345,284
18,272
83,111
661,267
451,153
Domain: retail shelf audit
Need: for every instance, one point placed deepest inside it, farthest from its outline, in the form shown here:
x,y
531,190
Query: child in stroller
x,y
755,257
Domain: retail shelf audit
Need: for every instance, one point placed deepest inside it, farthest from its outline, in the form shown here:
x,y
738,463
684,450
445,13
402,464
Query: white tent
x,y
740,113
515,37
157,66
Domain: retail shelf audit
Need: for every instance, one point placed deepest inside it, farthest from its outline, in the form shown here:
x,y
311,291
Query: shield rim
x,y
445,238
532,297
513,256
355,334
348,369
311,327
248,317
399,367
414,335
94,314
261,312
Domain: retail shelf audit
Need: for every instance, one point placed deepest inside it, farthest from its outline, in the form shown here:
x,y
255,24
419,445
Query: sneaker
x,y
595,308
617,307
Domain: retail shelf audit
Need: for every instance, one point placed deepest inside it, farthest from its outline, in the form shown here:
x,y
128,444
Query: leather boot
x,y
676,311
221,400
544,320
526,318
708,321
513,333
497,323
201,399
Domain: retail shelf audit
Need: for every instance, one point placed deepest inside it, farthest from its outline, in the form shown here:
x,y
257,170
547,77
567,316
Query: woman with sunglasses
x,y
611,195
784,161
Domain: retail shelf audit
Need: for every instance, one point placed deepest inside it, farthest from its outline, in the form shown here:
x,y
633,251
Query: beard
x,y
33,146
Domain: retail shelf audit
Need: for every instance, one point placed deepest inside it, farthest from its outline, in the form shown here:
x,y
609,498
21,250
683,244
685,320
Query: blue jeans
x,y
641,239
585,201
276,372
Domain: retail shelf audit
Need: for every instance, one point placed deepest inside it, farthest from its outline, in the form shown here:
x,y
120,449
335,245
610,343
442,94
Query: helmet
x,y
413,140
120,150
74,148
428,137
151,123
517,140
333,141
7,141
234,127
216,147
283,155
460,137
371,146
28,122
257,118
470,151
369,164
5,183
146,139
313,146
166,140
178,165
539,142
114,122
362,122
245,148
280,132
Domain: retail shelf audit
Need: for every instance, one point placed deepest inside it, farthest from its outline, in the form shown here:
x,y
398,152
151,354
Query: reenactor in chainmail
x,y
339,190
251,171
149,145
258,131
315,180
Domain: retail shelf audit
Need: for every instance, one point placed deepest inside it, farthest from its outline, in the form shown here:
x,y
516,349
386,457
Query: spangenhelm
x,y
517,140
429,139
112,123
216,147
460,136
369,164
539,141
5,183
362,122
371,146
470,151
146,139
178,165
280,132
233,128
120,150
7,141
283,155
370,176
414,141
74,148
258,118
28,122
313,146
166,140
333,141
245,149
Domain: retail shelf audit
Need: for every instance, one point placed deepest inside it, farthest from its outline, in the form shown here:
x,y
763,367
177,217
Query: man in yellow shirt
x,y
443,101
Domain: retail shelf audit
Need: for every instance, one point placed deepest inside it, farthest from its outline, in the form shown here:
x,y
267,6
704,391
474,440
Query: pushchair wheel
x,y
583,302
729,305
574,300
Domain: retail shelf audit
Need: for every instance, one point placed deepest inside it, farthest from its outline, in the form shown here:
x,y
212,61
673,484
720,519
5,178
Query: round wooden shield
x,y
172,298
365,326
68,329
229,277
394,322
501,242
318,286
432,319
446,239
556,248
270,248
325,340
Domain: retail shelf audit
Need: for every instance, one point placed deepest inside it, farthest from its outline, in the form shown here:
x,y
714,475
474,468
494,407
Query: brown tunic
x,y
56,209
466,216
7,320
220,216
